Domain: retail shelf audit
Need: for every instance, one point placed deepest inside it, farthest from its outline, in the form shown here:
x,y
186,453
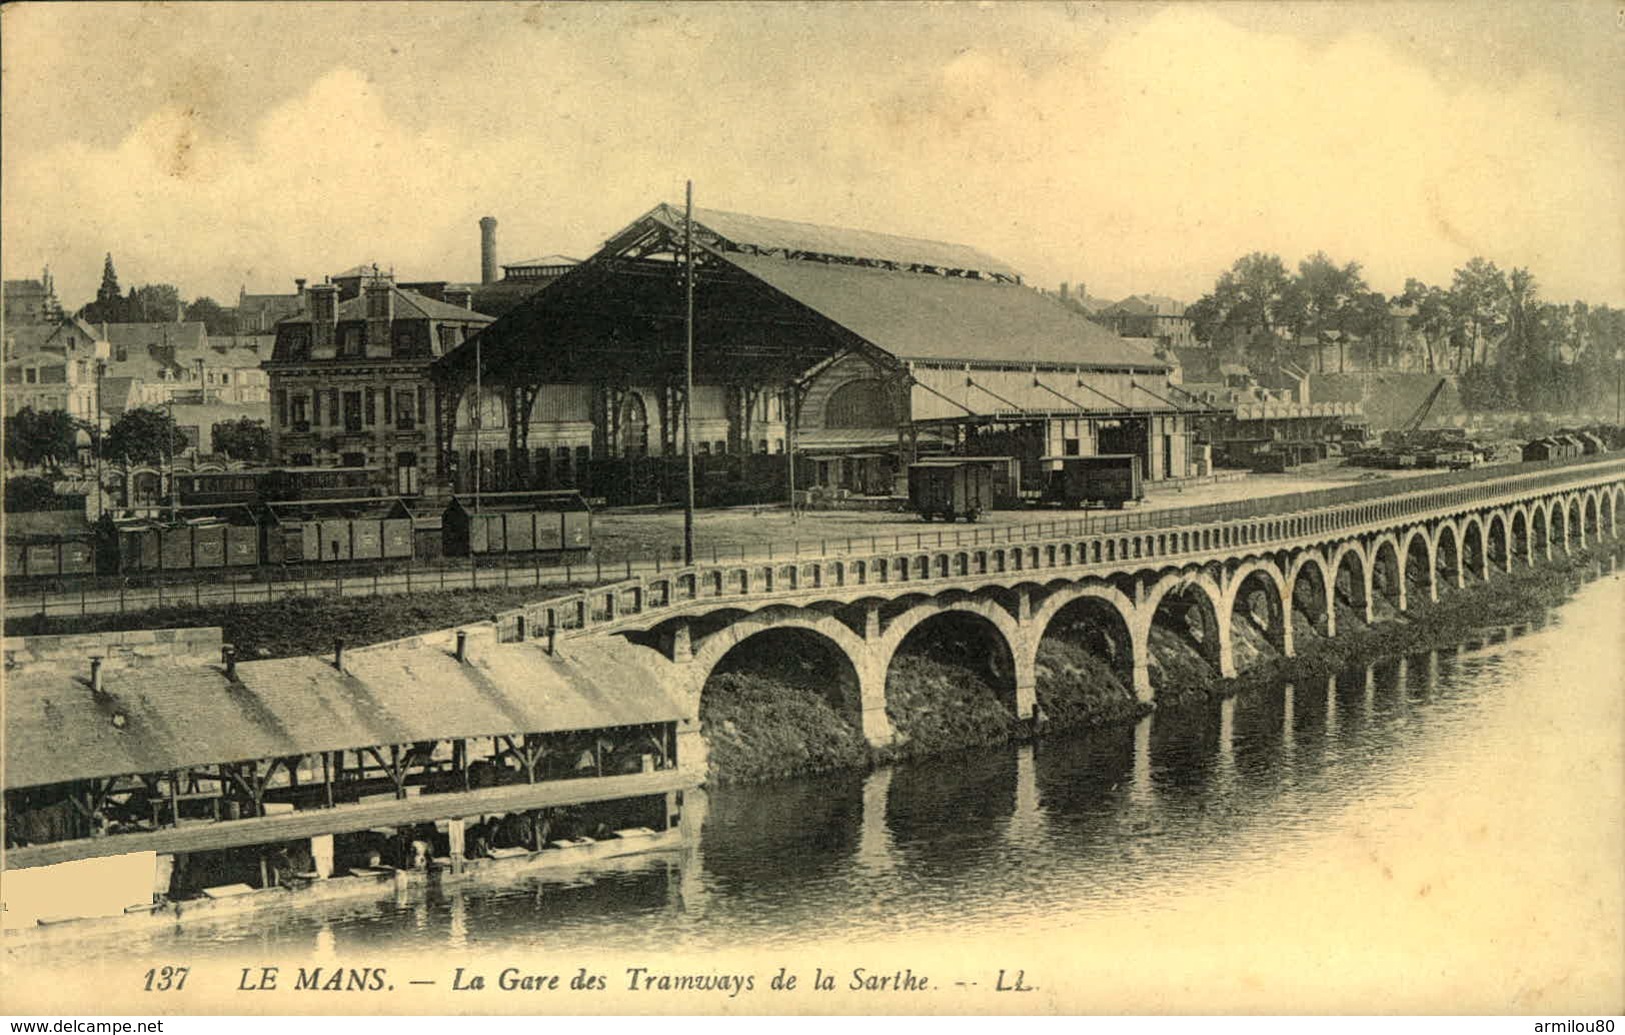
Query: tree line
x,y
153,303
1512,349
49,439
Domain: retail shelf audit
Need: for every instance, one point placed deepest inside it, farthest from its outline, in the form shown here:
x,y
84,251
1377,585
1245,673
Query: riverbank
x,y
783,722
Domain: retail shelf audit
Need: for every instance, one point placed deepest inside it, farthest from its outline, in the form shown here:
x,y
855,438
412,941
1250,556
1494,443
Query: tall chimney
x,y
488,250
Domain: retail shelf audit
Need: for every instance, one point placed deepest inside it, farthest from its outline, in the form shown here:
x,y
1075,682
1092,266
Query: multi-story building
x,y
1151,316
349,378
31,301
53,366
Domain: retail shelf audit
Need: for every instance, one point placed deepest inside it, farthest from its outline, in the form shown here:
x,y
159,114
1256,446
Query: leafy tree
x,y
1323,297
153,303
1480,294
242,439
41,438
216,318
1435,318
144,436
1248,302
32,492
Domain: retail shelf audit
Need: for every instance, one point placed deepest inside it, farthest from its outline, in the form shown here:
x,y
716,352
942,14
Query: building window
x,y
372,407
721,447
301,460
352,341
121,354
353,460
352,411
403,341
404,418
281,395
301,413
31,376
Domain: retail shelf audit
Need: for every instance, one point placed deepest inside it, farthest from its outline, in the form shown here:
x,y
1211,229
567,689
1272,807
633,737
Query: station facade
x,y
855,352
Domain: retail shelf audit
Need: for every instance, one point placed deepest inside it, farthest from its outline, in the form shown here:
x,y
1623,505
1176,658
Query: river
x,y
1441,831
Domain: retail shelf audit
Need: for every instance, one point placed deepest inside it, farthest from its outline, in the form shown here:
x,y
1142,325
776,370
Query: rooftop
x,y
796,240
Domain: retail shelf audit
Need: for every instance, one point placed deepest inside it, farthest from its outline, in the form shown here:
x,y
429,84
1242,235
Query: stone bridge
x,y
1271,567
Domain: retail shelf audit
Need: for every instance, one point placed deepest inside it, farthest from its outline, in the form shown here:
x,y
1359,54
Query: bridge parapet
x,y
1095,545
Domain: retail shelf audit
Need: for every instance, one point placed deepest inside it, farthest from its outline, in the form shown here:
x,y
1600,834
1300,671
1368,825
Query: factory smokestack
x,y
488,250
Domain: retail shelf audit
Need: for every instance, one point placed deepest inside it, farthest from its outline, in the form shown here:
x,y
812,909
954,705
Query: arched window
x,y
859,404
634,426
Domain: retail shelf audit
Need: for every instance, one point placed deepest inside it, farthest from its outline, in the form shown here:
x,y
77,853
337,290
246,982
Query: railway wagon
x,y
1108,480
321,483
213,488
36,555
953,487
310,531
517,522
194,538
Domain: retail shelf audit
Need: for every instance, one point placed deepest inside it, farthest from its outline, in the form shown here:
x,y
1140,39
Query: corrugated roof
x,y
761,232
180,715
922,316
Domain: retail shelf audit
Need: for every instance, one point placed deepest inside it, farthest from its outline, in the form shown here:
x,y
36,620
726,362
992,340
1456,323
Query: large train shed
x,y
857,350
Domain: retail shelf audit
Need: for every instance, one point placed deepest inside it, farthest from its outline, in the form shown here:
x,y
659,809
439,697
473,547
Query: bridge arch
x,y
1474,554
1349,569
1575,521
1520,544
852,688
1309,585
1010,663
1540,530
1113,631
1447,567
1387,572
1188,603
1591,523
1557,520
1609,513
1497,545
1261,590
1417,565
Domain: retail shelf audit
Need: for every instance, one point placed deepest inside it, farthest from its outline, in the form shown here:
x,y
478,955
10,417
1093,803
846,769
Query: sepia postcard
x,y
813,508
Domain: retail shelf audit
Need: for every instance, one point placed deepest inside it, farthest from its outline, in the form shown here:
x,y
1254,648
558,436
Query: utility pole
x,y
169,436
475,414
96,439
688,375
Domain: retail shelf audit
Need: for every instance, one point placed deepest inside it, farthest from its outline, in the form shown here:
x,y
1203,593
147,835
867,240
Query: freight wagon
x,y
953,487
1109,480
328,531
517,522
193,538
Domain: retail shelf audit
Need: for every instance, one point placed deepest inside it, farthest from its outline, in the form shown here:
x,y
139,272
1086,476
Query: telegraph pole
x,y
688,374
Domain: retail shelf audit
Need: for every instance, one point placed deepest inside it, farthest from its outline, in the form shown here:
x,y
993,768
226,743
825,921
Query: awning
x,y
185,715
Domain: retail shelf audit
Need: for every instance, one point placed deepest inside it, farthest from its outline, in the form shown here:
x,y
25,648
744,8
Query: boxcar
x,y
953,487
312,531
1108,480
517,522
195,537
33,556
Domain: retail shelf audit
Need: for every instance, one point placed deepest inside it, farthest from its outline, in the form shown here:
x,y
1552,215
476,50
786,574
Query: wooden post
x,y
327,775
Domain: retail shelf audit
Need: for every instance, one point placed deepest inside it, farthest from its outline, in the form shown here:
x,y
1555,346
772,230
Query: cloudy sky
x,y
1133,147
